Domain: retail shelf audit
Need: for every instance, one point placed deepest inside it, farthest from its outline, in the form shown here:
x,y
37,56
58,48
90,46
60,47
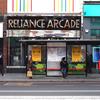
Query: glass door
x,y
55,52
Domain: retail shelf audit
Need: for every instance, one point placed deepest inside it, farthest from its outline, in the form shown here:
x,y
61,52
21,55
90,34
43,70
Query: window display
x,y
96,54
38,58
76,57
36,54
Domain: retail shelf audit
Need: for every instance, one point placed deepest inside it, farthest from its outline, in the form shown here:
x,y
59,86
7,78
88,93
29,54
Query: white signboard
x,y
44,6
44,33
1,30
56,53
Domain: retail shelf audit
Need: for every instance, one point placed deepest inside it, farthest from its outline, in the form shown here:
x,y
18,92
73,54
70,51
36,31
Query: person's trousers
x,y
64,73
2,72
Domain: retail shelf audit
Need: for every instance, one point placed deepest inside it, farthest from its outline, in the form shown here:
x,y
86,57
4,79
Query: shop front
x,y
45,56
45,42
75,52
91,28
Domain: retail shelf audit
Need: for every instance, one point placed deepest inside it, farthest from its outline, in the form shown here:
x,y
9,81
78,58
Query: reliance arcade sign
x,y
44,22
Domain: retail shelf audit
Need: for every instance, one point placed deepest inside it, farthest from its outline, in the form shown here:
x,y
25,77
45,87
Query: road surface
x,y
50,88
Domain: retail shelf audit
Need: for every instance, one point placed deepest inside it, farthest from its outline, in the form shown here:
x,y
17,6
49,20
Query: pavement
x,y
21,77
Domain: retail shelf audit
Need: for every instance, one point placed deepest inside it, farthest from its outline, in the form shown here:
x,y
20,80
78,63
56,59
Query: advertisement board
x,y
76,54
96,54
44,22
91,10
36,54
44,6
56,53
44,26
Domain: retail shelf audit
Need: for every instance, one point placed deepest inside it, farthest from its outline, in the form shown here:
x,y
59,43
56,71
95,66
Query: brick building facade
x,y
3,7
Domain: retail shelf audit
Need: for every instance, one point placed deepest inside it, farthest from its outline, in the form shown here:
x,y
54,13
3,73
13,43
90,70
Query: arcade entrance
x,y
45,58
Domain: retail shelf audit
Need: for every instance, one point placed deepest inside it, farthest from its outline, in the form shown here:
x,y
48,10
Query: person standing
x,y
29,66
64,67
1,65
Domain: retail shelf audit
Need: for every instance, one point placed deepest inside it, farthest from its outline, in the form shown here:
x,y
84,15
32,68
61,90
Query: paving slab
x,y
9,77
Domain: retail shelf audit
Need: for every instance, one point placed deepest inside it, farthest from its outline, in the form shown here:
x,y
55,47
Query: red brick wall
x,y
3,6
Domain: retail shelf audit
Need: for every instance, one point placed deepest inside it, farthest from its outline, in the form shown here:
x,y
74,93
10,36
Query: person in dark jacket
x,y
64,67
1,65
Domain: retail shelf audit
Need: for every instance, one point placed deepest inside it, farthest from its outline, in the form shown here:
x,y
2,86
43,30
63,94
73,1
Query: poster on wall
x,y
36,54
56,53
76,54
96,54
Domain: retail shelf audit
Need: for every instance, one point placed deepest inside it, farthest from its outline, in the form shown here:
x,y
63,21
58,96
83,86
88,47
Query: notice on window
x,y
96,54
36,54
76,54
56,53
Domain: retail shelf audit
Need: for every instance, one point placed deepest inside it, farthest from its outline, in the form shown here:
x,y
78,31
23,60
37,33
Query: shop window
x,y
95,21
95,58
38,58
95,32
76,57
15,52
15,56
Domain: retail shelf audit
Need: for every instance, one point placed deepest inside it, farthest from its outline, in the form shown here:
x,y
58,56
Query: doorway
x,y
55,52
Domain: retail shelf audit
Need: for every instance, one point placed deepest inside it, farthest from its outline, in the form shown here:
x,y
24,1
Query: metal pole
x,y
21,47
86,63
